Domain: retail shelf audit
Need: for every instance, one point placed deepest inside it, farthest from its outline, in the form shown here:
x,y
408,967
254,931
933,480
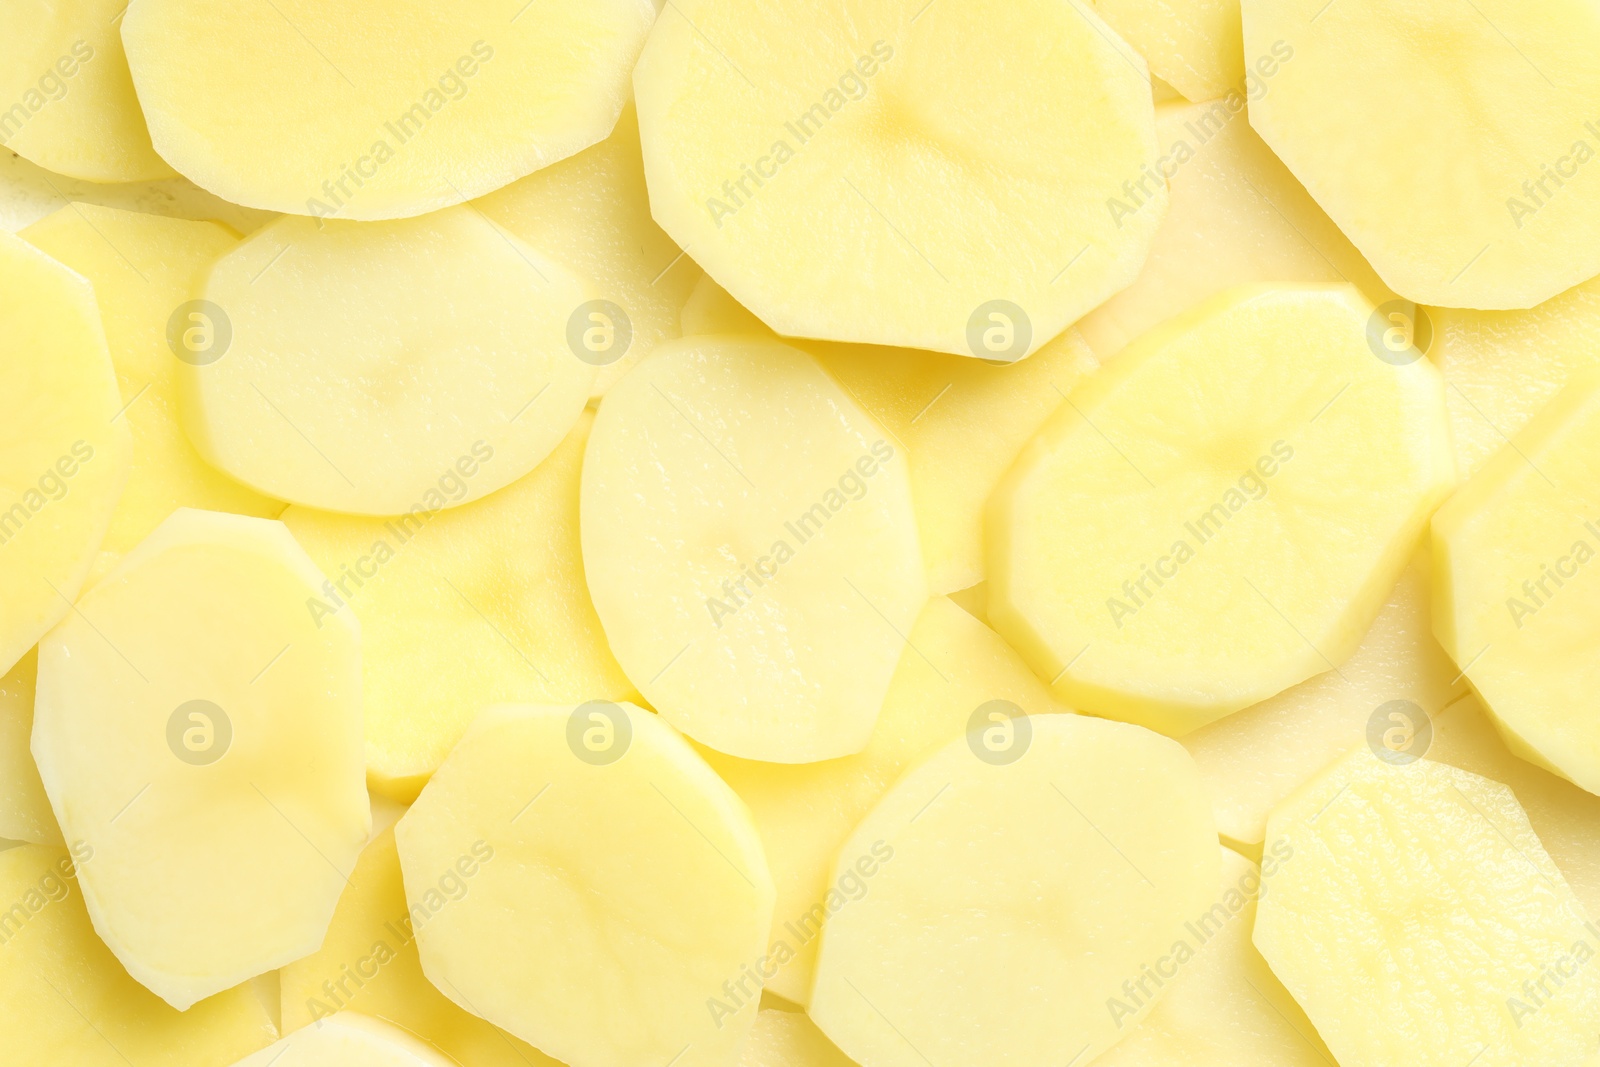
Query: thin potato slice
x,y
789,1039
24,809
1192,45
1009,891
349,1040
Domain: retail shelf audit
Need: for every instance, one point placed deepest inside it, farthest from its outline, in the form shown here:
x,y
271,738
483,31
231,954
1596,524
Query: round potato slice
x,y
635,877
378,109
349,1039
1004,891
200,732
1421,922
1220,513
64,453
749,541
381,368
885,172
1453,143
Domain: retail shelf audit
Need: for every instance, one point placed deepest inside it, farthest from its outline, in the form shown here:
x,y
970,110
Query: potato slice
x,y
144,269
24,809
1193,45
69,101
1225,1007
1473,197
382,369
961,422
929,215
1012,890
1199,474
199,731
1254,759
344,100
69,1002
746,615
476,605
349,1040
789,1039
594,208
64,453
369,964
1502,367
1419,916
952,669
1517,590
28,193
1237,217
636,875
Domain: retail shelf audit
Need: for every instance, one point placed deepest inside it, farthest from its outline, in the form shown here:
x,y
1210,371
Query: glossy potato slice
x,y
24,809
349,1040
1193,45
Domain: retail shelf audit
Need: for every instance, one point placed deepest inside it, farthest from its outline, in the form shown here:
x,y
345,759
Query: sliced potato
x,y
1193,45
749,541
198,730
1418,918
349,1040
859,170
953,667
789,1039
377,110
69,1002
70,102
24,809
636,876
1005,895
1517,589
481,604
64,453
1451,142
382,369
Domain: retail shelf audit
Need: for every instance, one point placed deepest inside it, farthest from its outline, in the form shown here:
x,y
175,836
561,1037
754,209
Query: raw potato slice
x,y
477,605
1201,473
1476,123
144,268
960,421
1225,1007
380,368
1193,45
789,1039
952,667
24,809
749,541
1015,891
1517,590
69,1002
377,110
1502,367
1418,916
67,98
858,170
368,963
594,208
349,1040
64,454
28,193
201,734
1252,760
1236,217
636,876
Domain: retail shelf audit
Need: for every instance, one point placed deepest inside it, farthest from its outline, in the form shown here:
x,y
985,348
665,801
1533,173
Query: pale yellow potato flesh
x,y
28,193
378,368
1236,217
368,963
144,267
594,209
1517,585
847,173
381,109
198,731
1009,900
961,421
474,605
1450,142
1255,758
1193,45
64,453
349,1040
1200,474
68,1001
951,667
789,1039
653,928
750,543
66,100
24,809
1418,916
